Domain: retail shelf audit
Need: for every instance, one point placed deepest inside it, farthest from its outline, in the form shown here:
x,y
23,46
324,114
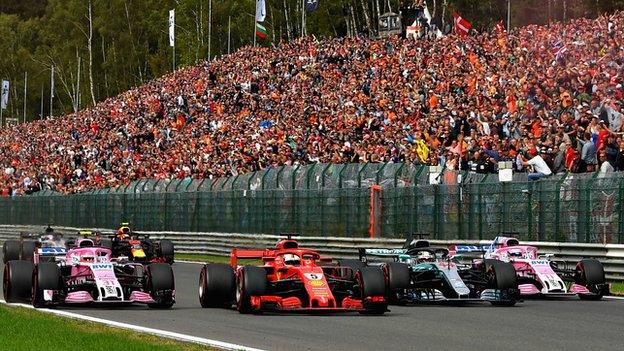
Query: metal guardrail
x,y
611,255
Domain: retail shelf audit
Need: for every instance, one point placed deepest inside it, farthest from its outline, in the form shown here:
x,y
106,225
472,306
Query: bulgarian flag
x,y
261,31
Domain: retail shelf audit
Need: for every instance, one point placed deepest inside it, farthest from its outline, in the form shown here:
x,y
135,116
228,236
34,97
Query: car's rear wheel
x,y
46,276
217,285
251,281
28,250
352,267
11,250
372,284
17,281
160,285
590,273
167,250
502,276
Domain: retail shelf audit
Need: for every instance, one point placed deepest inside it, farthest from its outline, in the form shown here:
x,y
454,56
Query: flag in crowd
x,y
261,31
558,49
462,26
500,27
171,27
5,94
260,10
311,5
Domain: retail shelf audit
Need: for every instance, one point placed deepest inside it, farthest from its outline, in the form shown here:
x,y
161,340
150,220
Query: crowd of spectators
x,y
547,98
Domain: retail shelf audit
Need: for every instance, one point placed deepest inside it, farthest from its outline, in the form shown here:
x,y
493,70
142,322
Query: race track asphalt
x,y
563,324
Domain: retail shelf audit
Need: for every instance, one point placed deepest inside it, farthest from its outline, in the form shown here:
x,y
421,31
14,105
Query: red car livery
x,y
291,278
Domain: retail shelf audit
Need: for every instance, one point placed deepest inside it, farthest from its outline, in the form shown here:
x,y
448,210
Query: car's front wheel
x,y
250,281
590,273
17,281
46,276
372,285
502,277
160,285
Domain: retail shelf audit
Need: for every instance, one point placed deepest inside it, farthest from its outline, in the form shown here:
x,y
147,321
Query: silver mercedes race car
x,y
421,273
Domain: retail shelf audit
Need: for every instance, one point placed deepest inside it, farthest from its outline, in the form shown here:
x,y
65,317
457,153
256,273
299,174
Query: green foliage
x,y
129,43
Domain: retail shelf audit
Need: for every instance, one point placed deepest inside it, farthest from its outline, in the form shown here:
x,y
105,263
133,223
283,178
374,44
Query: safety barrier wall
x,y
335,200
611,255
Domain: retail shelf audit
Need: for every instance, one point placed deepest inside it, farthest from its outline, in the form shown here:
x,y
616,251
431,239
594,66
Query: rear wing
x,y
51,251
85,233
246,254
394,253
456,250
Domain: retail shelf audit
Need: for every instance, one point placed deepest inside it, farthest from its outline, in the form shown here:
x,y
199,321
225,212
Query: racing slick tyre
x,y
28,250
251,281
167,250
501,276
372,283
397,278
217,285
11,250
398,275
589,273
17,280
160,285
46,276
355,265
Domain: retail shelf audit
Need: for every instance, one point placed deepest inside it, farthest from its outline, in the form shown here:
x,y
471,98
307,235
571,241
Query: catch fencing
x,y
335,200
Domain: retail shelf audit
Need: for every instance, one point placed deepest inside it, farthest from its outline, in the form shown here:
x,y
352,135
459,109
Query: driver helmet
x,y
97,236
51,234
425,256
123,232
291,259
515,253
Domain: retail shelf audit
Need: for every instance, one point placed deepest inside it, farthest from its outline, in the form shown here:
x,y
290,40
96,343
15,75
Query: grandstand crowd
x,y
547,98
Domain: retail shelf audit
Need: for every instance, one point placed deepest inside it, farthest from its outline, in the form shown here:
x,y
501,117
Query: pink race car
x,y
541,275
88,274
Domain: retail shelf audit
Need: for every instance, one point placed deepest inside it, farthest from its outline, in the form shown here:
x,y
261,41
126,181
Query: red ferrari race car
x,y
291,279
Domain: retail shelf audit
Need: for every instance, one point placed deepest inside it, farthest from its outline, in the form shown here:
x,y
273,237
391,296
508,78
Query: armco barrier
x,y
611,255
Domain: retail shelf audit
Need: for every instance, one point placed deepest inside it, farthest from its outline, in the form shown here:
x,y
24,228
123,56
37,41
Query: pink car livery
x,y
88,274
540,275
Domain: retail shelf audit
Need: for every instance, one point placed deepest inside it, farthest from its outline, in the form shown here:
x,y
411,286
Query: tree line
x,y
99,48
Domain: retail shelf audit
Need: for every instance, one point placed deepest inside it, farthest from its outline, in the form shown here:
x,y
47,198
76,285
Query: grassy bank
x,y
202,258
25,329
210,258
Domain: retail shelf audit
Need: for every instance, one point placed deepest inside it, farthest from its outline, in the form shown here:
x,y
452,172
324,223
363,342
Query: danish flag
x,y
462,26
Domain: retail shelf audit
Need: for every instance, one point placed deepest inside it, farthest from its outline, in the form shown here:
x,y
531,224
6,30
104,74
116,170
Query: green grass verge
x,y
26,329
202,258
617,288
210,258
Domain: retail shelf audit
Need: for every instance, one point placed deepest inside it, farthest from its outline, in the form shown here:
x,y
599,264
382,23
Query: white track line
x,y
614,297
126,326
